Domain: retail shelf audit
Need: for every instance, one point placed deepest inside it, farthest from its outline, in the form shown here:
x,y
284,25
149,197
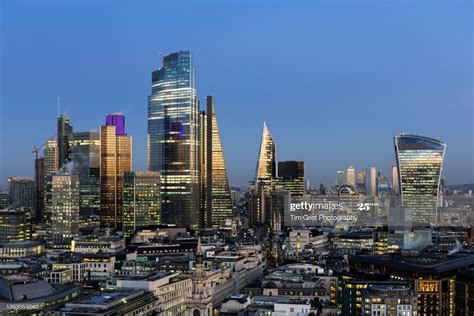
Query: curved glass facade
x,y
266,165
419,163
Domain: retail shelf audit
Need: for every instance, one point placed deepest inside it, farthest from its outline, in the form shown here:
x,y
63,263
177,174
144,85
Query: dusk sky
x,y
335,80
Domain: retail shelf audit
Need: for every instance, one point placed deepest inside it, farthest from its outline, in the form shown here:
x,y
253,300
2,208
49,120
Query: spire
x,y
199,255
199,246
199,274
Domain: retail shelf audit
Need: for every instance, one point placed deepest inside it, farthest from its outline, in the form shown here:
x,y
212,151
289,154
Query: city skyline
x,y
299,130
204,157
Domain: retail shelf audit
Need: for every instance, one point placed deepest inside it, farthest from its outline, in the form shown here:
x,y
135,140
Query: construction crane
x,y
36,149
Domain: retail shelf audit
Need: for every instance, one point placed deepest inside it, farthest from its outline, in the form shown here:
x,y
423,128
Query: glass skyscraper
x,y
64,137
141,200
51,166
291,176
173,137
115,159
65,210
266,165
219,202
419,164
85,154
51,157
22,192
39,189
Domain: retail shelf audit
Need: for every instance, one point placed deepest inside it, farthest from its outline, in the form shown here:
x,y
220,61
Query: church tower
x,y
199,303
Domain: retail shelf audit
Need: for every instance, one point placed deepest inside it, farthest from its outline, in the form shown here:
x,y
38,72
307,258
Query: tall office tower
x,y
419,163
361,181
51,166
219,202
115,159
395,184
266,164
39,188
64,137
22,192
307,185
51,157
173,138
372,179
291,176
141,200
351,176
256,204
203,216
340,178
14,225
85,155
65,210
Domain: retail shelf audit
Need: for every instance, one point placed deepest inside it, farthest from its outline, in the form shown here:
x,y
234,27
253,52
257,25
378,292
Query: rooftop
x,y
418,264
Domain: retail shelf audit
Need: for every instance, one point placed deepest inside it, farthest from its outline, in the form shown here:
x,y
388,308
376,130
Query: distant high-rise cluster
x,y
186,184
90,235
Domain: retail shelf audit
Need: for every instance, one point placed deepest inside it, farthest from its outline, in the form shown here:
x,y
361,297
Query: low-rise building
x,y
23,294
353,243
171,289
20,249
125,302
389,300
234,303
96,244
432,276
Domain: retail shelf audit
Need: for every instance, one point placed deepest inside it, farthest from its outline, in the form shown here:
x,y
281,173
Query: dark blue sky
x,y
335,80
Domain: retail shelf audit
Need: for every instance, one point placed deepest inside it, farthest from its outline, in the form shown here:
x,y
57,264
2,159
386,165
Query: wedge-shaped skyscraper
x,y
219,203
419,163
